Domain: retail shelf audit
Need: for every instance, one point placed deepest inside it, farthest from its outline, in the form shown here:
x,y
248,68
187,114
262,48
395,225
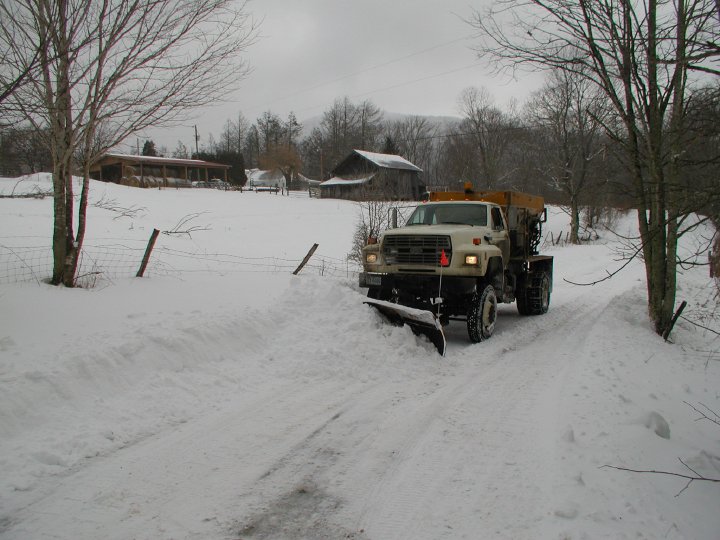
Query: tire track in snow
x,y
118,496
497,403
424,415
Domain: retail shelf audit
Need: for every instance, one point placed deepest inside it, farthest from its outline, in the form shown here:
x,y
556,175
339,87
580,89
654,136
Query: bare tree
x,y
374,217
269,130
489,130
641,55
252,146
568,110
369,118
23,150
338,126
16,68
415,139
241,131
292,129
227,137
113,68
181,151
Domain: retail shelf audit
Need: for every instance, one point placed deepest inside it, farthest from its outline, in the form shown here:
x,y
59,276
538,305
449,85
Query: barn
x,y
370,176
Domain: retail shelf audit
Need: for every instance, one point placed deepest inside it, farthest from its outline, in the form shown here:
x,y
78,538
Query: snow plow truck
x,y
456,258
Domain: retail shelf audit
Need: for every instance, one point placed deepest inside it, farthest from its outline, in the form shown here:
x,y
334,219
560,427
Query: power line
x,y
401,84
371,68
474,64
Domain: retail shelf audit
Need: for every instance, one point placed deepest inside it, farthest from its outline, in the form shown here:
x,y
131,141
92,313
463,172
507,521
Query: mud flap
x,y
420,321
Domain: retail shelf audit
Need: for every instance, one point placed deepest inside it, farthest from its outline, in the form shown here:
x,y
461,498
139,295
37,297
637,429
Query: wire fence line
x,y
121,258
99,262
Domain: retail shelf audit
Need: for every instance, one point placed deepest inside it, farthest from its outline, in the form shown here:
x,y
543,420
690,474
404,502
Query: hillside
x,y
221,397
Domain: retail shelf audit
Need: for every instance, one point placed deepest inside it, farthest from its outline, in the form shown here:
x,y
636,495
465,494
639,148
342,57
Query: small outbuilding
x,y
271,178
371,176
152,171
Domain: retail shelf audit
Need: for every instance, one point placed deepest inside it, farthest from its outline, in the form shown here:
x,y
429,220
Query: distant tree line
x,y
554,145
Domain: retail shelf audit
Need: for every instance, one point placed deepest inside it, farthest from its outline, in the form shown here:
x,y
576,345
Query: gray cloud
x,y
407,56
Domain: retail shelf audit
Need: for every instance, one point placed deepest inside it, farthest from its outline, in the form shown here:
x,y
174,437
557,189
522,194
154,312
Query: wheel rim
x,y
545,298
489,315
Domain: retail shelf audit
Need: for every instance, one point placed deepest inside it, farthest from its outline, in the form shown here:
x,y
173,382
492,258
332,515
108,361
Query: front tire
x,y
482,315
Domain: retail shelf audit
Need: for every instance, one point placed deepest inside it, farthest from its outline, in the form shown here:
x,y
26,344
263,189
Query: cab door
x,y
499,235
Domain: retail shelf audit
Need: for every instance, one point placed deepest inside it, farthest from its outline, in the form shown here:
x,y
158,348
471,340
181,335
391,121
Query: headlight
x,y
471,260
371,258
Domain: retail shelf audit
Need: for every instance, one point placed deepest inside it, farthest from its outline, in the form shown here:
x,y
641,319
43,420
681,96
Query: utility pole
x,y
197,150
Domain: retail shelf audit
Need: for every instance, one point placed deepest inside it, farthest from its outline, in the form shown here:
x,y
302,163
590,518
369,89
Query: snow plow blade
x,y
420,321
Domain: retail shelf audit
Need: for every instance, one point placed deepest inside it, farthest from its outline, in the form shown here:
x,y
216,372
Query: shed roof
x,y
336,181
156,160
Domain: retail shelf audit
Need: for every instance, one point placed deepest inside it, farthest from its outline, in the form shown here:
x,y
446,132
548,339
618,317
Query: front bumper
x,y
418,284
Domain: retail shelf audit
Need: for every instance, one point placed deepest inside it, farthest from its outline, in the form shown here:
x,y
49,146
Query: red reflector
x,y
443,259
477,241
372,240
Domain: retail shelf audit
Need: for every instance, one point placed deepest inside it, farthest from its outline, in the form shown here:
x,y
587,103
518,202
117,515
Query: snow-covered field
x,y
221,397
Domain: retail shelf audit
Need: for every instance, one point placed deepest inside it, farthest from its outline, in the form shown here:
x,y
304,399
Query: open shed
x,y
152,171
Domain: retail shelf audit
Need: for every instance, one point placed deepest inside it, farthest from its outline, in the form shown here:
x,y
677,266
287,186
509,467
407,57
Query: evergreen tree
x,y
149,148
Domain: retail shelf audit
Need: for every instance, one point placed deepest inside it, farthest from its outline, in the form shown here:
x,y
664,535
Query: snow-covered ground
x,y
221,397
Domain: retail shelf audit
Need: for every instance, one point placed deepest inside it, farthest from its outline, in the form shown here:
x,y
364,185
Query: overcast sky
x,y
407,56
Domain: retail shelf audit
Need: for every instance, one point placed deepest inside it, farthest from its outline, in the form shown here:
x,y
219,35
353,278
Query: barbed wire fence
x,y
101,262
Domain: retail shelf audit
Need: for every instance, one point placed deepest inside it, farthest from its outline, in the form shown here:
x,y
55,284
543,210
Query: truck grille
x,y
420,250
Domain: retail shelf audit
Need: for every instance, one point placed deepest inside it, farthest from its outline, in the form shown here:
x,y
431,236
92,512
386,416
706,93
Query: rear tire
x,y
534,295
521,298
482,315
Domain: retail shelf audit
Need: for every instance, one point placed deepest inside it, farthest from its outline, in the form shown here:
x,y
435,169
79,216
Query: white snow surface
x,y
222,397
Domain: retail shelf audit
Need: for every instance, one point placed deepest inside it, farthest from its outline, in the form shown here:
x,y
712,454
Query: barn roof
x,y
388,161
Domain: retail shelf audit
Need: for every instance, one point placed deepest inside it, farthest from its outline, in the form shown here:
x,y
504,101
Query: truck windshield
x,y
436,214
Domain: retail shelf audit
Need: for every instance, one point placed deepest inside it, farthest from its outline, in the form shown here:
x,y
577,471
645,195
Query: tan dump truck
x,y
458,255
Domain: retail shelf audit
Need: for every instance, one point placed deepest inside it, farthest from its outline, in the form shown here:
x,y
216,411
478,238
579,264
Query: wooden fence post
x,y
306,259
148,251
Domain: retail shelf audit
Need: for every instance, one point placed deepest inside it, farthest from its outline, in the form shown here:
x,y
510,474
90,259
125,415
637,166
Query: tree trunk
x,y
73,258
574,220
59,224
